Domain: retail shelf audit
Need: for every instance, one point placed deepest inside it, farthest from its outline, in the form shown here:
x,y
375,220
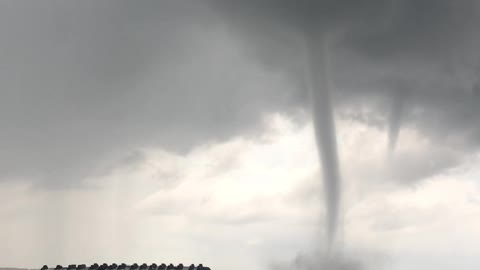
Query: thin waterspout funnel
x,y
325,132
396,115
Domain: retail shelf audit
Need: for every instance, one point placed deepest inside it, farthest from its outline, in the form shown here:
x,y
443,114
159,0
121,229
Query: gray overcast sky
x,y
181,131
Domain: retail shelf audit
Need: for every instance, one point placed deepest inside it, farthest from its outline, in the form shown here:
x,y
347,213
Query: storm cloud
x,y
412,63
88,87
86,83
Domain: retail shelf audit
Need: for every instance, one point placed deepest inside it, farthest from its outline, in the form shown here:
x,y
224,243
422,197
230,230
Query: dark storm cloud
x,y
416,63
401,35
83,84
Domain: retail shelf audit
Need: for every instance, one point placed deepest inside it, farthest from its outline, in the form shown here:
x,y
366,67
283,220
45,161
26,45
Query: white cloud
x,y
248,202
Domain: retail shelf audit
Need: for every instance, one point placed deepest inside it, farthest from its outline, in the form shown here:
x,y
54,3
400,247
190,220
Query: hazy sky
x,y
181,131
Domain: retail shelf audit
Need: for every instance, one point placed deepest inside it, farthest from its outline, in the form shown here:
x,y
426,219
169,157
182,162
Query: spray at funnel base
x,y
325,132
